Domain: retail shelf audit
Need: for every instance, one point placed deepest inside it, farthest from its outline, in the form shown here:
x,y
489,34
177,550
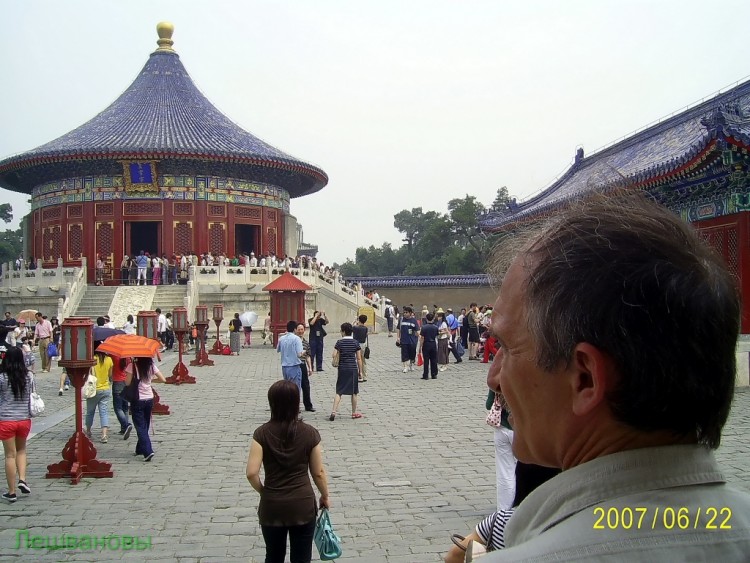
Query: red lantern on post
x,y
218,347
201,324
77,357
180,373
147,323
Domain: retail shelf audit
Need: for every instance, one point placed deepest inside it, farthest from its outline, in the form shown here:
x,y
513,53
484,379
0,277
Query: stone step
x,y
96,301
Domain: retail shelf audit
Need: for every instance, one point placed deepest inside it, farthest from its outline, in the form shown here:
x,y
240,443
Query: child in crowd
x,y
28,356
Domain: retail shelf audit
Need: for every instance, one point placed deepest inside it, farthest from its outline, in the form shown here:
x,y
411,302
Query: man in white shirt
x,y
161,329
253,260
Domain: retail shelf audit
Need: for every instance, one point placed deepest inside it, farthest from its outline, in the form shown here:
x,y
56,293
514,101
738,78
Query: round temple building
x,y
160,170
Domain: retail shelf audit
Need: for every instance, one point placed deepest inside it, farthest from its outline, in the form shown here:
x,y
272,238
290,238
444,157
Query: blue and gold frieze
x,y
709,208
171,187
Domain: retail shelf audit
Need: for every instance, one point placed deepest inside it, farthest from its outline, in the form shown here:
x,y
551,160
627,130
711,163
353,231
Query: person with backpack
x,y
455,339
388,314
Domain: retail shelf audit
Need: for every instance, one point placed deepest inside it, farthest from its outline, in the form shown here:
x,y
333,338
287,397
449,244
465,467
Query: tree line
x,y
11,242
434,243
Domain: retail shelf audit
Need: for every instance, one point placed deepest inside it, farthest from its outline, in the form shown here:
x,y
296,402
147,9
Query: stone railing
x,y
225,276
74,291
39,277
62,283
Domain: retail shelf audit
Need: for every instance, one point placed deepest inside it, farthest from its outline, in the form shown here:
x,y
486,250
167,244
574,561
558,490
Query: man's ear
x,y
591,376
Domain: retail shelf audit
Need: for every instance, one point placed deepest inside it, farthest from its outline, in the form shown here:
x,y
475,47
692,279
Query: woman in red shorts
x,y
15,420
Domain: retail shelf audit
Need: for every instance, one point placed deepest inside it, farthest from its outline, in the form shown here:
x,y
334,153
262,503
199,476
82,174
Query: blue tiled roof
x,y
472,280
163,115
647,155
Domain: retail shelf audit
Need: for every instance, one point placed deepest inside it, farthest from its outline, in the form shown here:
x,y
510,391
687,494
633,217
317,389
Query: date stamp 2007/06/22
x,y
668,517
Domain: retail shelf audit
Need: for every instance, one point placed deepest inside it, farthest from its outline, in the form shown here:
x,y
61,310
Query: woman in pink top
x,y
156,270
144,370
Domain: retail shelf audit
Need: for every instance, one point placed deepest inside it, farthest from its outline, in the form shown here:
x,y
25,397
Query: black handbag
x,y
131,393
367,348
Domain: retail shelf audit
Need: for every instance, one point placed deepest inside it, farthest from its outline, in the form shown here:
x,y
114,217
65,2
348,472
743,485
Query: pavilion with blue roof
x,y
161,170
696,163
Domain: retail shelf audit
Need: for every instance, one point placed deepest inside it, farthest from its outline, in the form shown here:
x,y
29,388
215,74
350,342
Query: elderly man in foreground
x,y
617,327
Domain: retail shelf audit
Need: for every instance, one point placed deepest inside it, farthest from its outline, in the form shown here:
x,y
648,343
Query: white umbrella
x,y
248,318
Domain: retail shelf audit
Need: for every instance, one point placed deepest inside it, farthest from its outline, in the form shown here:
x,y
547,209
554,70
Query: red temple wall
x,y
72,230
730,236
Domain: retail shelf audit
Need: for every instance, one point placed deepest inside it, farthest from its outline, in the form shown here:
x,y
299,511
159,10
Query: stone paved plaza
x,y
418,467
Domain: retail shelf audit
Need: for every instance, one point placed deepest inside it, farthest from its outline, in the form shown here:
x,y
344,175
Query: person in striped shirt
x,y
15,419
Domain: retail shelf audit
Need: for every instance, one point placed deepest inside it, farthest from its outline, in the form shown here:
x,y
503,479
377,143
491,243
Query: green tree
x,y
501,200
349,269
435,243
412,224
464,213
430,247
11,245
6,212
383,261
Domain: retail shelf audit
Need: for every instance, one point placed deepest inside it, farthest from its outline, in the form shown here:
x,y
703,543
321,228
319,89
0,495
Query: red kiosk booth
x,y
287,302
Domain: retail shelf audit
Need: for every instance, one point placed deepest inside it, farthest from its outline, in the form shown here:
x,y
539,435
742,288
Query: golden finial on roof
x,y
165,30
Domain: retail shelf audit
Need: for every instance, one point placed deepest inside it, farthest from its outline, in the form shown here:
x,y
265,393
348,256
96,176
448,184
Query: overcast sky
x,y
404,103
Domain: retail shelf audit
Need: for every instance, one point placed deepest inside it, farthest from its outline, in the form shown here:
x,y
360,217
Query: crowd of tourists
x,y
151,269
22,263
438,334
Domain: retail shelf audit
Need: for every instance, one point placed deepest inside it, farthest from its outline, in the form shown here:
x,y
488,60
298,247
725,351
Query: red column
x,y
200,228
743,231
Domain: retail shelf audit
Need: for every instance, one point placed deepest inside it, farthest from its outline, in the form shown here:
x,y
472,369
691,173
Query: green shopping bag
x,y
326,540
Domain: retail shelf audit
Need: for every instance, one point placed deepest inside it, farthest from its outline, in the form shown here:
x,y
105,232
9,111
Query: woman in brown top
x,y
288,449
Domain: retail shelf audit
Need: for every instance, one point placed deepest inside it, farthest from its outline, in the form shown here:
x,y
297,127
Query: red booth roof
x,y
287,282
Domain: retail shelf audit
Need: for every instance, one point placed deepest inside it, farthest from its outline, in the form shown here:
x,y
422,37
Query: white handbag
x,y
36,404
89,388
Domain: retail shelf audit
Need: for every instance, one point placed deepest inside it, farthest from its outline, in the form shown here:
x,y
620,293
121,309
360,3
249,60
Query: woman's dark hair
x,y
236,315
100,356
143,366
15,368
347,329
283,398
130,318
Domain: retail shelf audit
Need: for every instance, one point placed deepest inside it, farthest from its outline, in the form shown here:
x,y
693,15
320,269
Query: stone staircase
x,y
96,301
169,296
